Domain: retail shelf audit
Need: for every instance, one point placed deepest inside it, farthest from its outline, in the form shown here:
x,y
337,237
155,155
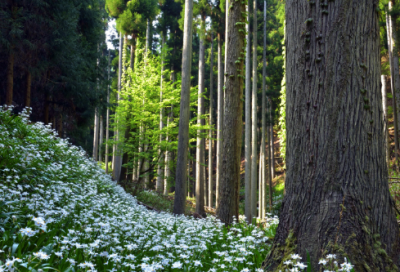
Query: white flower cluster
x,y
71,215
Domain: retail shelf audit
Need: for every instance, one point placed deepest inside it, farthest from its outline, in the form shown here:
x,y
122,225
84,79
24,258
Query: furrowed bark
x,y
337,196
228,205
210,142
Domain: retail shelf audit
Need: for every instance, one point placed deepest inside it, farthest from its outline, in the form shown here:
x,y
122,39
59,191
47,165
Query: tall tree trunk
x,y
108,112
247,147
168,157
160,170
337,196
28,89
117,153
263,117
183,138
228,204
226,32
200,142
394,80
270,161
254,119
101,139
385,118
271,140
220,119
148,30
10,79
210,142
96,134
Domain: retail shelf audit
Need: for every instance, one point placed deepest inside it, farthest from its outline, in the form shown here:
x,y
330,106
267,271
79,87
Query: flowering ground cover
x,y
60,212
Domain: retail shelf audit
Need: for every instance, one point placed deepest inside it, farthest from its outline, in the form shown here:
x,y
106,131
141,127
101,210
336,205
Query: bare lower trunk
x,y
96,134
247,141
228,203
183,138
261,198
269,172
10,79
160,170
210,142
254,144
271,141
200,179
28,89
337,197
385,118
108,114
220,119
101,139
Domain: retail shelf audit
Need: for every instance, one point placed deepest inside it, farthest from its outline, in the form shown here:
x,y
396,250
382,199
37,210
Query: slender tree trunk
x,y
168,152
254,119
10,79
101,139
337,196
28,89
228,204
263,113
247,173
160,170
394,80
117,153
226,32
108,113
200,142
220,119
147,49
210,143
270,161
385,118
183,138
271,140
96,134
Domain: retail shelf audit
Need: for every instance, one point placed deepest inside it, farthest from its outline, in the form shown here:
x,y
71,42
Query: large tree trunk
x,y
393,81
160,170
101,139
200,179
247,135
10,79
108,113
254,119
210,142
183,138
228,206
337,197
168,157
220,119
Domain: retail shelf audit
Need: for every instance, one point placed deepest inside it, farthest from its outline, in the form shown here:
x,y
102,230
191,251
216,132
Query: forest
x,y
199,135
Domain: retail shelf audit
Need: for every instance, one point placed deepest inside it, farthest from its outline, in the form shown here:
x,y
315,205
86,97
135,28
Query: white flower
x,y
323,262
331,256
300,265
197,263
28,232
295,257
41,255
177,265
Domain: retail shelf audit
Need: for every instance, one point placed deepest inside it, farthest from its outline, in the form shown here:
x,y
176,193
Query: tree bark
x,y
108,113
337,196
147,49
254,119
28,89
271,140
247,172
269,168
101,139
10,79
210,142
96,134
200,179
168,158
263,119
183,138
228,204
117,152
220,119
160,170
385,118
